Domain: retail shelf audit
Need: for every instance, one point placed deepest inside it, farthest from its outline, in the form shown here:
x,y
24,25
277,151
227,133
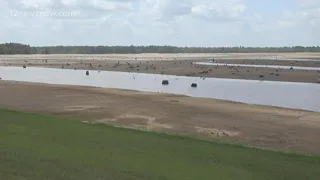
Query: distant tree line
x,y
16,48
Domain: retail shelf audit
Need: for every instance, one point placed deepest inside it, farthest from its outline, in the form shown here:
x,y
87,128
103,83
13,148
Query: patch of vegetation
x,y
43,147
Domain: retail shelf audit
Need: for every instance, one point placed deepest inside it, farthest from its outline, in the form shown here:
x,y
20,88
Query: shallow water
x,y
264,66
304,96
279,58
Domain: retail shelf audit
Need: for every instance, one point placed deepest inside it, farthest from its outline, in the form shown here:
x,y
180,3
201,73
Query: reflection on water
x,y
263,66
282,94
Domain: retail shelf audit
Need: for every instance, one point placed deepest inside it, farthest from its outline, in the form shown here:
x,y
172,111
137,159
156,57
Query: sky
x,y
213,23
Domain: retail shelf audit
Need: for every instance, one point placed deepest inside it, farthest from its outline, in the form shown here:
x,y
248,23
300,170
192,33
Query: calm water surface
x,y
304,96
263,66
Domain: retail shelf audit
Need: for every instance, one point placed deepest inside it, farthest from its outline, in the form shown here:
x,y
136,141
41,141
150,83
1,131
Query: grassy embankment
x,y
42,147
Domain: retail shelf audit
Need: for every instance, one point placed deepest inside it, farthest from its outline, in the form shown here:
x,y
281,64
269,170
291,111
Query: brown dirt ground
x,y
180,64
259,126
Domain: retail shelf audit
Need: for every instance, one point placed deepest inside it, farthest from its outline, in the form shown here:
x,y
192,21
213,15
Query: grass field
x,y
39,147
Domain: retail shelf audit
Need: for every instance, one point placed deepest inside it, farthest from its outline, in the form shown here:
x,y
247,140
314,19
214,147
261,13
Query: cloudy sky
x,y
161,22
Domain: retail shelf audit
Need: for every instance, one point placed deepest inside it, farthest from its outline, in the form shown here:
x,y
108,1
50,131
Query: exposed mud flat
x,y
181,64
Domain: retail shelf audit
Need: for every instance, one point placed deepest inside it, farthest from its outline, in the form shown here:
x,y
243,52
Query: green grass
x,y
39,147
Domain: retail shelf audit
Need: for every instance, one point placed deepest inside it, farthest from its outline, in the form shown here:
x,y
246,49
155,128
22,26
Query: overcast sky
x,y
161,22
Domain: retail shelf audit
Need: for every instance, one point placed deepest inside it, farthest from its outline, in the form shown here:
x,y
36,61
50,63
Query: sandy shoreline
x,y
260,126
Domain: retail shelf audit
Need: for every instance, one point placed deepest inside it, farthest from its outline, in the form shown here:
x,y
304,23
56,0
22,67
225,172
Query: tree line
x,y
17,48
